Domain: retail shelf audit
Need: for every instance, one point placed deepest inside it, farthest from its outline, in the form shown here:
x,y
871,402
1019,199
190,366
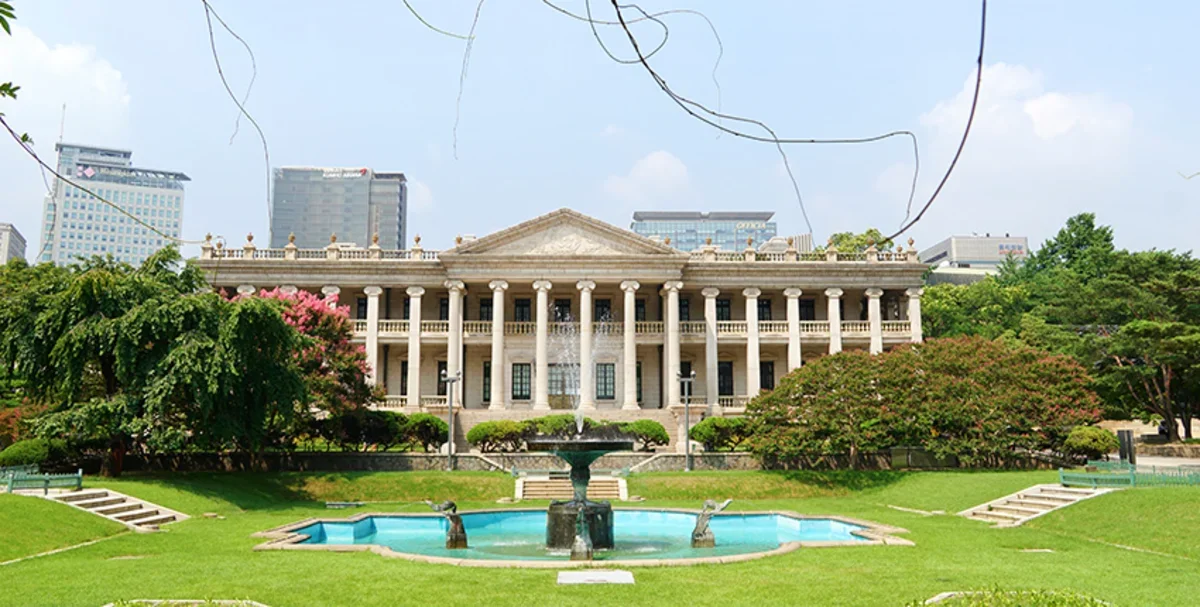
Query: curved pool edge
x,y
285,537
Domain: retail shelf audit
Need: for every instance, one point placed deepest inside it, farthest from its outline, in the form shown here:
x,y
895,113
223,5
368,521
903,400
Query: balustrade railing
x,y
520,328
856,326
649,327
897,326
692,327
773,327
392,402
435,326
393,326
733,401
360,326
731,327
608,328
435,401
477,327
564,327
811,327
311,254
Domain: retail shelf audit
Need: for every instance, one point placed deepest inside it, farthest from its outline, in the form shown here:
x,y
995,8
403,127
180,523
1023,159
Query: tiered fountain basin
x,y
517,538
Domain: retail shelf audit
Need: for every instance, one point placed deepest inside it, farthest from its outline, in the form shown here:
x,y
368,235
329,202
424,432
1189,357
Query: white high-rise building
x,y
12,244
74,224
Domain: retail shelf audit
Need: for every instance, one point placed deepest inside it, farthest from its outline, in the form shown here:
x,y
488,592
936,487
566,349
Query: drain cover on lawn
x,y
595,577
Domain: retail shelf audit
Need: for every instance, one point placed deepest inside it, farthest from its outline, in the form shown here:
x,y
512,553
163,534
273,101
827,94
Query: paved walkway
x,y
1161,462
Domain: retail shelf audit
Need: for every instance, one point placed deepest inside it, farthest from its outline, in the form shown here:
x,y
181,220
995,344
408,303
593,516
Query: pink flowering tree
x,y
335,370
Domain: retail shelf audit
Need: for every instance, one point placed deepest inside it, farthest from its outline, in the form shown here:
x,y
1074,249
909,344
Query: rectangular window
x,y
685,310
487,381
407,308
766,375
443,309
724,309
808,309
639,381
639,310
602,311
485,308
521,373
562,310
404,377
606,381
685,370
725,378
361,308
764,309
441,372
522,311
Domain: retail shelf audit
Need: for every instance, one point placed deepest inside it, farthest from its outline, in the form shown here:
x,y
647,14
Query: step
x,y
984,516
77,496
136,514
1038,505
1057,500
157,520
1010,508
108,500
1068,491
119,508
1000,514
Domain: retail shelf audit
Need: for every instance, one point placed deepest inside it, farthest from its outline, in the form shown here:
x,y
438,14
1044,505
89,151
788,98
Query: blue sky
x,y
1085,107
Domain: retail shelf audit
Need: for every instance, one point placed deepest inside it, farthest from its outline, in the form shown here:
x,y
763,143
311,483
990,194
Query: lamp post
x,y
687,380
449,381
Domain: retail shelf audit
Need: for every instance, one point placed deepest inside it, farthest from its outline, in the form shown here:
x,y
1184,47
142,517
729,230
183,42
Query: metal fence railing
x,y
1130,476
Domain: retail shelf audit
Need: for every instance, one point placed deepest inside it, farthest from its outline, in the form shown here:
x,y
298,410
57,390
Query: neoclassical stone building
x,y
569,290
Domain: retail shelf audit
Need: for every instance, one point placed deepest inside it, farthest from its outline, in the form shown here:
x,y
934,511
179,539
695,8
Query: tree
x,y
1081,246
986,308
849,242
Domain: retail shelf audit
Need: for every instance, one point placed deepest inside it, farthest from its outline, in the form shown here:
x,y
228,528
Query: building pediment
x,y
563,233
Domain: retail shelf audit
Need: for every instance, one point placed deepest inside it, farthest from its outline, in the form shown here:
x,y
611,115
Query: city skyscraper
x,y
355,204
688,230
74,224
12,244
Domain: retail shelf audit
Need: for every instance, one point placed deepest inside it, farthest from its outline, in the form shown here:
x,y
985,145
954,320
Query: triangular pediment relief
x,y
564,233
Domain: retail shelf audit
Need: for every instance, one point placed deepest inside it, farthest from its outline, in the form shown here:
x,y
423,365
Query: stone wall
x,y
1175,450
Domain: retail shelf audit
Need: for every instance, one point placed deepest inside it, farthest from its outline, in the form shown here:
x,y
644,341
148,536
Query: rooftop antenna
x,y
62,123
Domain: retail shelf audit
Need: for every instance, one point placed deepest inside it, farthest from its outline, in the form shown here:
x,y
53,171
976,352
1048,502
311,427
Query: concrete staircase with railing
x,y
129,511
1015,509
558,487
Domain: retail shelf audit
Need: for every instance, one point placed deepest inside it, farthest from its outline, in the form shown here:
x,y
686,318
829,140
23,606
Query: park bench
x,y
44,481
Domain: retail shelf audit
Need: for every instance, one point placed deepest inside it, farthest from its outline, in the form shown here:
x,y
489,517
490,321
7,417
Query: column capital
x,y
915,292
630,286
752,292
331,290
415,291
792,293
874,292
245,289
542,285
834,293
498,285
373,291
710,292
585,285
672,285
454,285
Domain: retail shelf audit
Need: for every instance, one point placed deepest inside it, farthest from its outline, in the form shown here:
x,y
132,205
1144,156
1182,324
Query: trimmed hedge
x,y
500,435
1090,442
428,430
721,433
648,432
39,451
510,435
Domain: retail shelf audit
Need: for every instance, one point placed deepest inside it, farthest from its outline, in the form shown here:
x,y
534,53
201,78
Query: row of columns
x,y
671,356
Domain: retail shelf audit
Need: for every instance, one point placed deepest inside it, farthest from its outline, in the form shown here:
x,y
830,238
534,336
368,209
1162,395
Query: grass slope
x,y
212,558
29,525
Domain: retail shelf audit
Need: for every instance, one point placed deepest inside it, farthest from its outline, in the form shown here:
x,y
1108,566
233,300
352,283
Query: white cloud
x,y
1033,158
656,176
420,197
97,100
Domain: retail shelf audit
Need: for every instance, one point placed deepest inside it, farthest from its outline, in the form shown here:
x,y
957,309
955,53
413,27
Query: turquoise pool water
x,y
640,534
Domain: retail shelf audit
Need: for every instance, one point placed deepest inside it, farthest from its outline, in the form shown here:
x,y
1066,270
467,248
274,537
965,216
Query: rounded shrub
x,y
721,433
499,435
647,432
1090,442
558,425
427,430
38,451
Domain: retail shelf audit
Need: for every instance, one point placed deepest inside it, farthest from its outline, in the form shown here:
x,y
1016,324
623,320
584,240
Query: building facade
x,y
521,312
75,224
356,204
12,244
689,231
986,252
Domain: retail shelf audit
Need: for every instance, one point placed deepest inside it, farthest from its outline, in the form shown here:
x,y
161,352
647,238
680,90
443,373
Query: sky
x,y
1085,107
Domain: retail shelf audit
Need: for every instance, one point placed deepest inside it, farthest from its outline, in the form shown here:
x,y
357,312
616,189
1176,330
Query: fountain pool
x,y
643,536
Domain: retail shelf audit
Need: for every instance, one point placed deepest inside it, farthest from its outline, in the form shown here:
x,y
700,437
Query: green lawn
x,y
31,526
212,558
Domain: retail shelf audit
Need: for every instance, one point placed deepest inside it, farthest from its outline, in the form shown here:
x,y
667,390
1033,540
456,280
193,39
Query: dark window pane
x,y
404,377
443,309
603,310
485,309
685,310
764,309
522,311
639,381
725,378
362,308
639,310
724,309
487,381
685,369
562,310
606,381
441,372
407,307
521,373
766,375
808,309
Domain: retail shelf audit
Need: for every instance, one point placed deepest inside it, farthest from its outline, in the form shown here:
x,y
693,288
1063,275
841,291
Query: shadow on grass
x,y
848,480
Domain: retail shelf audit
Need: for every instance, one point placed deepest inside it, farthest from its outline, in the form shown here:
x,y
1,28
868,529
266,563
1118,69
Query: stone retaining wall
x,y
1192,451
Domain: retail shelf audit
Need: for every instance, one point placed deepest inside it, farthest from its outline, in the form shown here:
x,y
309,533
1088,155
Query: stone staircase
x,y
1015,509
555,487
129,511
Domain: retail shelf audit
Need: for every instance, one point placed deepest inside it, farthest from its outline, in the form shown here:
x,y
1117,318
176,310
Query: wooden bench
x,y
45,481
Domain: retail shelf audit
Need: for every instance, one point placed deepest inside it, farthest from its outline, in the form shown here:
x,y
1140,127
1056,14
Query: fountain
x,y
702,536
456,534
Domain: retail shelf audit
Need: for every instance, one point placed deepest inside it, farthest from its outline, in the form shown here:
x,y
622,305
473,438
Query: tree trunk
x,y
116,457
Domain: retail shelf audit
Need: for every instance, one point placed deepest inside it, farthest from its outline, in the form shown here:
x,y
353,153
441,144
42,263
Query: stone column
x,y
587,370
711,389
499,394
331,294
753,384
541,383
454,342
914,313
873,315
630,288
245,289
793,320
672,330
373,333
835,320
414,347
